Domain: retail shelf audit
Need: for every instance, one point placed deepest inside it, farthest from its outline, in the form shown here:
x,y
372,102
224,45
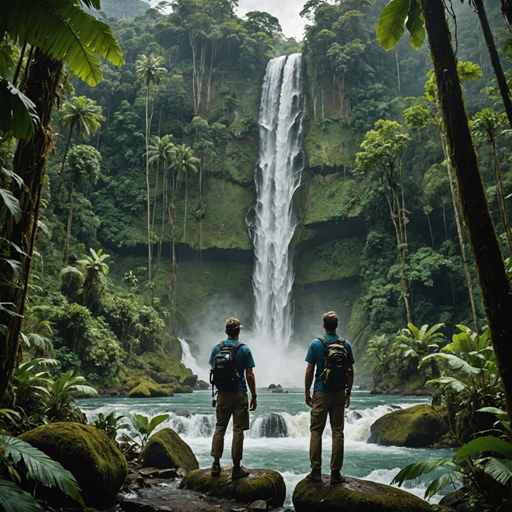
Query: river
x,y
287,454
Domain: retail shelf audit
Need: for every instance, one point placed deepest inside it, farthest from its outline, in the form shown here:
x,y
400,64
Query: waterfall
x,y
190,361
277,176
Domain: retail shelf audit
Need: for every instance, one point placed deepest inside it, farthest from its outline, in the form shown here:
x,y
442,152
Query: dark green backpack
x,y
224,375
335,372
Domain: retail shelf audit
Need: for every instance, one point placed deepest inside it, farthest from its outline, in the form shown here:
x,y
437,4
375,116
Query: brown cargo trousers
x,y
236,404
332,403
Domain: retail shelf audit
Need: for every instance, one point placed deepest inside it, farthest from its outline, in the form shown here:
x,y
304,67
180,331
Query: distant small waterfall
x,y
277,176
190,361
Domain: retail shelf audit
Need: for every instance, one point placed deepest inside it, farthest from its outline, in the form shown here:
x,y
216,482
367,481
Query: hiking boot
x,y
216,469
336,477
315,475
240,472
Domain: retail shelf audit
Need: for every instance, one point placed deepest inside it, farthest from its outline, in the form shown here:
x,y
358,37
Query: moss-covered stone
x,y
354,495
181,388
95,461
189,381
166,449
261,484
414,427
148,390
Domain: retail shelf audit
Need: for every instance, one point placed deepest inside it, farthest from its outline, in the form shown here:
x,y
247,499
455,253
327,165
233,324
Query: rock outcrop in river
x,y
414,427
354,495
261,484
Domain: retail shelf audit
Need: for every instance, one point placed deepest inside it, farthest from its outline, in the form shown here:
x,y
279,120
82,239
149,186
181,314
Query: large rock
x,y
414,427
354,495
95,461
261,484
165,449
148,390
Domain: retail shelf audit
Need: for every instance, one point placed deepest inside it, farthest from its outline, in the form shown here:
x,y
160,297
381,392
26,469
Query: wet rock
x,y
271,387
273,425
189,381
258,505
147,390
168,473
201,385
166,449
354,495
261,484
94,459
184,414
414,427
181,473
181,388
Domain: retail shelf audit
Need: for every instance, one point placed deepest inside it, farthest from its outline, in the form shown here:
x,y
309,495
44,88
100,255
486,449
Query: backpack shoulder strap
x,y
324,340
238,345
222,345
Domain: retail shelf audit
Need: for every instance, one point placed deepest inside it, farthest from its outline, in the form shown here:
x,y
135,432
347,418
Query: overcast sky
x,y
286,11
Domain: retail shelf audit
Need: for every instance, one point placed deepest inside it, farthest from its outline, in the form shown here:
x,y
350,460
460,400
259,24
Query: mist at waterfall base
x,y
279,435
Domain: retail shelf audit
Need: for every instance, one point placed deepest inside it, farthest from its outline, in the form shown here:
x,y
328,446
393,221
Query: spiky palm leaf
x,y
456,363
485,444
40,467
499,469
422,467
448,478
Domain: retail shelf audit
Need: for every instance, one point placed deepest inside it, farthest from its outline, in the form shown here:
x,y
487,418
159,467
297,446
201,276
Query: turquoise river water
x,y
288,453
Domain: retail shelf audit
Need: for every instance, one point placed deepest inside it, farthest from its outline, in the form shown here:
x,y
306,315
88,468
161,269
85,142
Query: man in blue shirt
x,y
325,402
234,403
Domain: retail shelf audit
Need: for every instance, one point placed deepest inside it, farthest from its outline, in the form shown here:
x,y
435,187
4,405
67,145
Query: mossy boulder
x,y
261,484
355,495
148,390
95,461
179,388
189,381
166,449
414,427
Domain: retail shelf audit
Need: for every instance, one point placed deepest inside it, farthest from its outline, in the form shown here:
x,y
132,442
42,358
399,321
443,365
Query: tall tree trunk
x,y
185,216
40,85
500,194
495,60
70,220
61,175
148,190
461,238
490,267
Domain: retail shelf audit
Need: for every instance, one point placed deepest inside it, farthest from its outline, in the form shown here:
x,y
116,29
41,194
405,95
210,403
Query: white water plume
x,y
272,221
190,361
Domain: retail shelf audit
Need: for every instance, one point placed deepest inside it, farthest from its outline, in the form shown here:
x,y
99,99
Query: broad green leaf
x,y
493,410
15,265
157,420
416,25
451,383
391,23
448,478
85,390
485,444
13,176
499,469
11,203
14,499
456,363
18,114
416,469
40,467
63,30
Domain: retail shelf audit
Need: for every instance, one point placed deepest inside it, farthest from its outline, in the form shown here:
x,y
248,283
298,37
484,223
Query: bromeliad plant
x,y
18,460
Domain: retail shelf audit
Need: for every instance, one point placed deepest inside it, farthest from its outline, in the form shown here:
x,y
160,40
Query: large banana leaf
x,y
61,29
14,499
391,23
485,444
457,364
416,27
40,467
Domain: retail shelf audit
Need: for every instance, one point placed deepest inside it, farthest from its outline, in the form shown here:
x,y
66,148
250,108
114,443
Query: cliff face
x,y
214,250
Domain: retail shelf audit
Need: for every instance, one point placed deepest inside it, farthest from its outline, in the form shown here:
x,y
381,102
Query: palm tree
x,y
149,72
84,116
57,32
185,165
95,270
162,152
84,165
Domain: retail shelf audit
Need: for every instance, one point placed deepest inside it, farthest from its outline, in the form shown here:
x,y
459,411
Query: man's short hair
x,y
330,320
233,326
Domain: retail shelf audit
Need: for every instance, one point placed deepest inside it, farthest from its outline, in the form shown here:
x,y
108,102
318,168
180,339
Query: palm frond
x,y
448,478
416,469
40,467
485,444
499,469
14,499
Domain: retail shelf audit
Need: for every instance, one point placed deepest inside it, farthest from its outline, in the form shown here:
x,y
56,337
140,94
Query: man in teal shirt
x,y
234,403
325,402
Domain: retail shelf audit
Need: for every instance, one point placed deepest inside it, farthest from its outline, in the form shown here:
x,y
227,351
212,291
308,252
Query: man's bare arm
x,y
308,381
350,372
251,382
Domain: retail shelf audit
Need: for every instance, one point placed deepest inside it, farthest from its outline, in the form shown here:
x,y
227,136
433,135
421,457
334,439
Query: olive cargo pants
x,y
236,404
332,403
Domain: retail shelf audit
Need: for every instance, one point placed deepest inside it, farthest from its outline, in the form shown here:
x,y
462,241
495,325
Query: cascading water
x,y
277,176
